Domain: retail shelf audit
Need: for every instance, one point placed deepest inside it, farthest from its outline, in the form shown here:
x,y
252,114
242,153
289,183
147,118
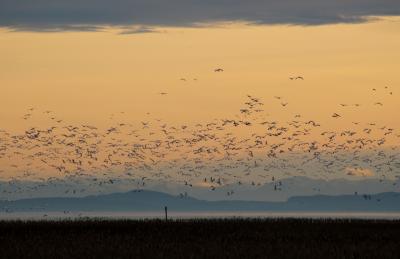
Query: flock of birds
x,y
248,148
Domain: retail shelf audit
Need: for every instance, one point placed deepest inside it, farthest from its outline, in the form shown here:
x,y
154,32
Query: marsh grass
x,y
199,238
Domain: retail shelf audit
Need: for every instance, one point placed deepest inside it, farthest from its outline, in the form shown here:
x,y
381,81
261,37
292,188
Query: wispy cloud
x,y
66,15
138,30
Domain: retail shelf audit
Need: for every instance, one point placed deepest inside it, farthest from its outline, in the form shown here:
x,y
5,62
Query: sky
x,y
104,63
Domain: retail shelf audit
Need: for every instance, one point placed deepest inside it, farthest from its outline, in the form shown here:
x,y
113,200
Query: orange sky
x,y
84,77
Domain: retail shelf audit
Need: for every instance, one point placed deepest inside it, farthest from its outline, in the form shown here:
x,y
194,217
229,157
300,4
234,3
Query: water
x,y
194,215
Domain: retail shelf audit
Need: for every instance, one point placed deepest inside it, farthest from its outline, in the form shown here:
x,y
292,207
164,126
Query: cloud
x,y
138,30
362,172
58,28
65,15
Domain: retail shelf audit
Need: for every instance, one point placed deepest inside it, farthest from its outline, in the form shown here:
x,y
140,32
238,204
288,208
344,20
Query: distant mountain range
x,y
142,200
279,190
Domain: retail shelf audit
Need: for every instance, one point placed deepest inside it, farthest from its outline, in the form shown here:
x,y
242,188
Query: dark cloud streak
x,y
67,15
138,30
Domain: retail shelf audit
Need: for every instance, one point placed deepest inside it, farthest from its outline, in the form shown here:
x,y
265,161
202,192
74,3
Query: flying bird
x,y
296,78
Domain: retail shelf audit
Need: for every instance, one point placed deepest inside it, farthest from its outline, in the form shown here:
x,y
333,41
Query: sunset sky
x,y
85,76
97,62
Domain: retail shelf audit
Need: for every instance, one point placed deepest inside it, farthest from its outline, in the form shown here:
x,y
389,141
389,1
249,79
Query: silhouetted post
x,y
166,213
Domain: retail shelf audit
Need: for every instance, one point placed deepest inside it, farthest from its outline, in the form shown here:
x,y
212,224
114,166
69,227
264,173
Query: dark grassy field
x,y
230,238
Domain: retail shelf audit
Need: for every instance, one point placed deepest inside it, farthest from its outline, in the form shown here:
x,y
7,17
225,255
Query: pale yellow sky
x,y
85,76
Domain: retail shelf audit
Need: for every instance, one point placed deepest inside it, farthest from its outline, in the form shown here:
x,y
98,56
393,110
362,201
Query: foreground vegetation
x,y
222,238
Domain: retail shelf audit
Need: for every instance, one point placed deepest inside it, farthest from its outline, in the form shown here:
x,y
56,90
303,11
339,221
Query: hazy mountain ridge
x,y
155,201
285,188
